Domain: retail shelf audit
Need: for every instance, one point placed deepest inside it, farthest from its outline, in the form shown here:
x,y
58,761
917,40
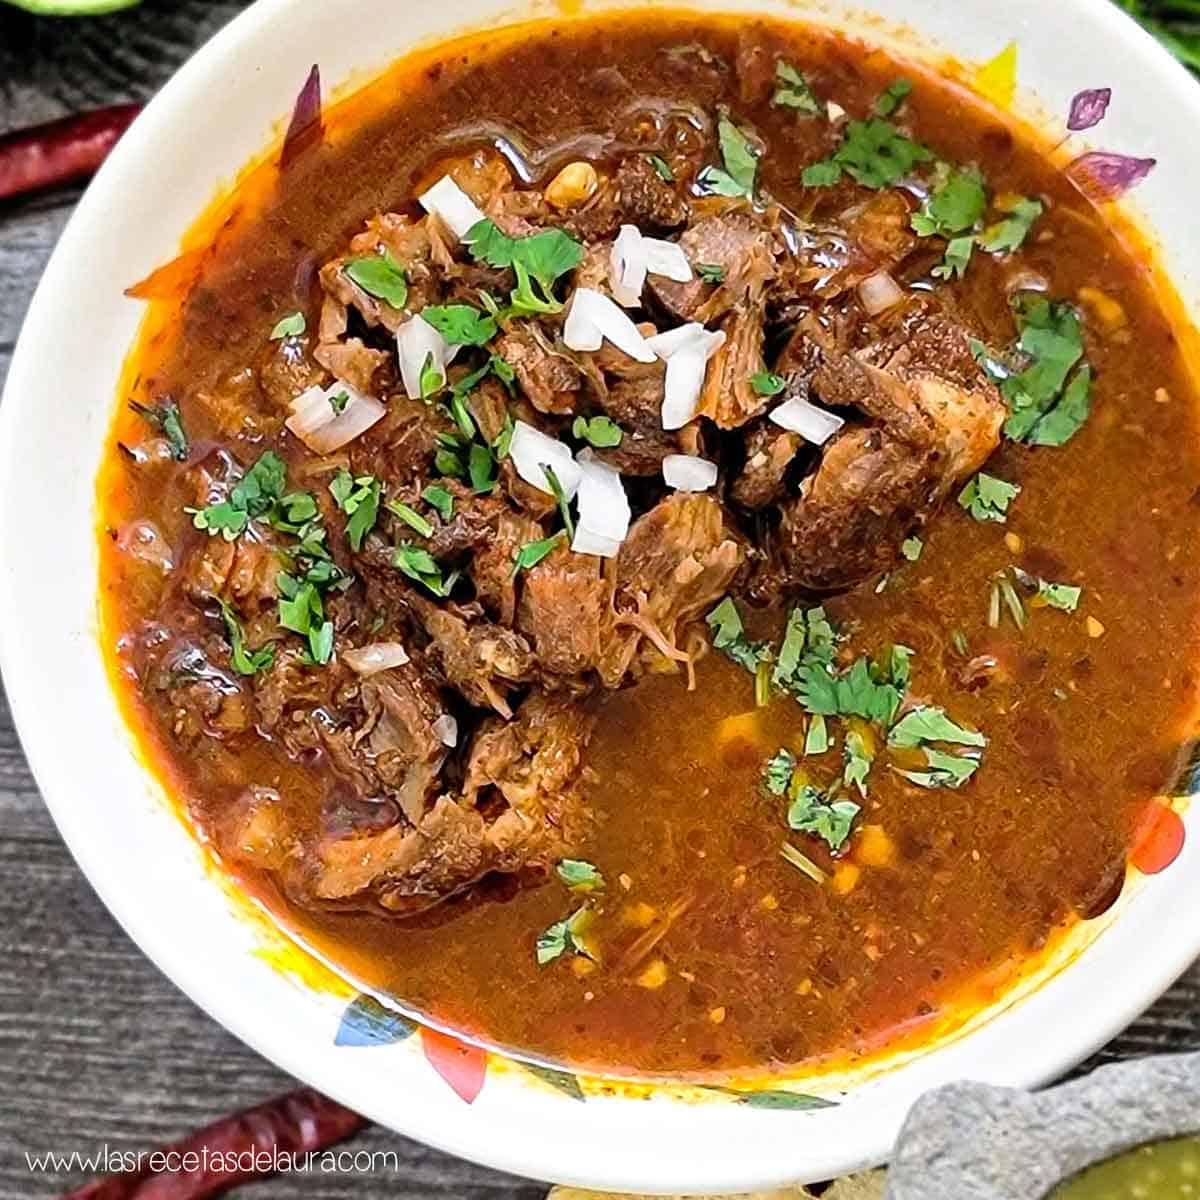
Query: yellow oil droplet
x,y
997,80
654,976
717,1015
1013,542
1094,628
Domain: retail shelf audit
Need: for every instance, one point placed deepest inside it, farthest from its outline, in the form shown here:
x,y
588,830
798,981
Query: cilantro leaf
x,y
987,498
244,662
729,636
662,167
911,548
740,160
893,96
792,91
420,565
293,325
563,936
359,500
946,770
900,665
1007,235
957,258
564,505
579,875
167,419
874,153
711,272
816,740
794,636
441,499
381,276
1063,596
532,553
461,325
600,432
859,757
410,517
953,206
767,384
809,813
930,724
777,774
261,486
537,260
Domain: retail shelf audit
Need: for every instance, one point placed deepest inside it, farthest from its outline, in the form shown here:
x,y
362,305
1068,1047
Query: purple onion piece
x,y
1088,108
1103,176
305,129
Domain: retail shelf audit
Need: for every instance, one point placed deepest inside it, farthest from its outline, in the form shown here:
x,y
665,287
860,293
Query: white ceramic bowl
x,y
218,112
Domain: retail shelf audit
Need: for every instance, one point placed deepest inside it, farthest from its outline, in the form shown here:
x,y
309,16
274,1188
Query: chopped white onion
x,y
603,506
453,205
378,656
686,351
666,259
687,473
834,112
627,266
813,424
532,451
879,292
321,427
417,342
587,542
594,317
446,728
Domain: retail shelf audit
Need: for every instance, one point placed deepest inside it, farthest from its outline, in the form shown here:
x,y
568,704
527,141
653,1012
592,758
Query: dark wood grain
x,y
95,1045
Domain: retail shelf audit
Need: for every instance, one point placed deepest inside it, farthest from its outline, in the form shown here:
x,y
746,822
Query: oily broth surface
x,y
764,968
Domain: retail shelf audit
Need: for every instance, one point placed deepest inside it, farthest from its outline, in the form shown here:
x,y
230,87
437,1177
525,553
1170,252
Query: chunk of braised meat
x,y
481,660
729,398
678,560
285,370
292,684
563,604
521,808
938,417
355,363
770,451
241,572
236,405
204,698
547,376
732,238
400,448
635,195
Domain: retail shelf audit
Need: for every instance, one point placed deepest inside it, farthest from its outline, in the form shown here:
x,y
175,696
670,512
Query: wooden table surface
x,y
96,1047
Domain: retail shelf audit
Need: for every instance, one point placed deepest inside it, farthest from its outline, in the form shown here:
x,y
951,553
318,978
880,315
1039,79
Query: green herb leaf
x,y
893,96
766,384
662,167
359,500
461,325
777,774
564,505
729,636
900,665
538,261
929,724
987,498
563,936
224,518
911,548
711,272
740,161
579,875
816,741
420,565
1063,596
1006,235
859,757
244,662
821,174
338,402
810,813
953,206
381,276
946,770
440,499
410,517
792,91
167,419
292,325
600,432
957,258
874,152
532,553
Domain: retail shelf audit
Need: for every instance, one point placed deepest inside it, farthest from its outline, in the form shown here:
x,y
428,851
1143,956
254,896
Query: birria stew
x,y
661,543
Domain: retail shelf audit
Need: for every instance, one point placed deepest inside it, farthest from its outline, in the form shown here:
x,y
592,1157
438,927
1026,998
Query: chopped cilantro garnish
x,y
579,875
792,91
460,324
816,740
432,378
987,498
1006,235
662,167
729,636
860,754
808,640
946,770
953,206
532,553
303,612
601,432
957,258
254,495
243,661
740,160
1063,596
767,384
809,812
293,325
481,469
164,415
929,724
381,276
854,693
359,500
563,936
874,152
893,96
420,565
538,261
711,272
338,401
911,548
564,505
777,774
441,499
900,665
1046,410
410,517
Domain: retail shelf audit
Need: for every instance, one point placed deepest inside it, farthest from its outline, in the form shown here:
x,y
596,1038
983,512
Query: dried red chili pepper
x,y
58,152
293,1124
